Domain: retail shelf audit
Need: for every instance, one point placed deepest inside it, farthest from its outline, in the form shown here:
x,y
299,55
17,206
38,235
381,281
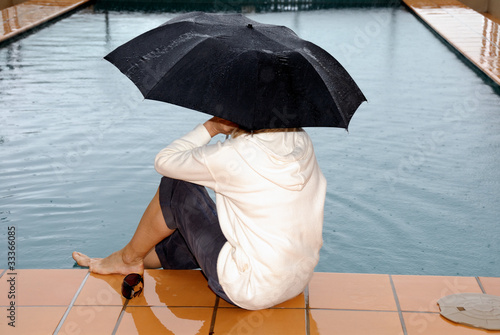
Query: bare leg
x,y
151,261
151,230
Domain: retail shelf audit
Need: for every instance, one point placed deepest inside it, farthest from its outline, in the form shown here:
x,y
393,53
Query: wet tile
x,y
463,28
29,14
477,43
491,285
325,322
161,288
478,49
91,320
297,302
491,60
492,69
101,290
459,35
468,35
267,321
165,320
42,287
351,291
175,288
32,320
421,293
435,324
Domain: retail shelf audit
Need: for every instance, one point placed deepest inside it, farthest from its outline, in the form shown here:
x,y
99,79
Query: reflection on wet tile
x,y
421,293
297,302
267,321
161,288
165,320
351,291
325,322
42,287
101,290
32,320
92,320
175,288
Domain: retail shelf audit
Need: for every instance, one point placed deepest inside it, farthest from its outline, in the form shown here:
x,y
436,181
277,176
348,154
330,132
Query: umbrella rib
x,y
328,74
303,52
174,64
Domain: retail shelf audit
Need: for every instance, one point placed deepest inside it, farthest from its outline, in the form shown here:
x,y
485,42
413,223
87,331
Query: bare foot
x,y
114,263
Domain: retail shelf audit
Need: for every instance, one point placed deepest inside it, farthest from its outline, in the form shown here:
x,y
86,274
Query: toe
x,y
81,259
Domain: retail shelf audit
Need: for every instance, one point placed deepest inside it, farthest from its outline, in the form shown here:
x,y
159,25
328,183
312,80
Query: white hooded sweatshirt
x,y
270,195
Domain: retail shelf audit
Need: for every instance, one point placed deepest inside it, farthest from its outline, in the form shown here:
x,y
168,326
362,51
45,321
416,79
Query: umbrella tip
x,y
250,26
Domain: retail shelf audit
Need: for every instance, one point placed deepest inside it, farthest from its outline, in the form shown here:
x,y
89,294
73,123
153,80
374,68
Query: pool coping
x,y
26,16
473,35
447,18
65,300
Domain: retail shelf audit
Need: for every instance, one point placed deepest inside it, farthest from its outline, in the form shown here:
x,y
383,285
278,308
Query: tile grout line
x,y
117,324
71,304
306,297
480,285
214,315
400,313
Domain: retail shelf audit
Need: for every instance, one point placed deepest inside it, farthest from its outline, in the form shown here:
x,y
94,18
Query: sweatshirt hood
x,y
284,158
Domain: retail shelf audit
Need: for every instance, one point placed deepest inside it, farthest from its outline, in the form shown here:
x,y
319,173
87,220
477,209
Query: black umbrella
x,y
256,75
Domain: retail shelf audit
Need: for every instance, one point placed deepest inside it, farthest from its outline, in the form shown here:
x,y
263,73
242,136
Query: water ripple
x,y
412,187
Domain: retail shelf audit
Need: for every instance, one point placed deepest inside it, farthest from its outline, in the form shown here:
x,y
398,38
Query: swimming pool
x,y
413,188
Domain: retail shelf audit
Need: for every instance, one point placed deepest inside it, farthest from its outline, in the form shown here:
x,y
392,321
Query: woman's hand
x,y
216,125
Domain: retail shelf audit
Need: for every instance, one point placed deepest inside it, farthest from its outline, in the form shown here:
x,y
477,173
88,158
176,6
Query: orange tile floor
x,y
73,301
474,35
29,14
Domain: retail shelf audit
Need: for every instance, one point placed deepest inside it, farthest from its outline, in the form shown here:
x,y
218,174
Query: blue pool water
x,y
413,188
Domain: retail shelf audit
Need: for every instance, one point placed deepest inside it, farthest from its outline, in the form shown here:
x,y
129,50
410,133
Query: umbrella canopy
x,y
257,75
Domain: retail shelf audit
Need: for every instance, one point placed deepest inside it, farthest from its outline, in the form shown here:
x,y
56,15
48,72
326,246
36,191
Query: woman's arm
x,y
184,158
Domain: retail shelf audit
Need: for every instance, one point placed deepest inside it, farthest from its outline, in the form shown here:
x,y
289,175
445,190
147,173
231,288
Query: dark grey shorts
x,y
198,239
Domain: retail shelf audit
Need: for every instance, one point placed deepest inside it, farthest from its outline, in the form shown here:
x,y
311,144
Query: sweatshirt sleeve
x,y
184,158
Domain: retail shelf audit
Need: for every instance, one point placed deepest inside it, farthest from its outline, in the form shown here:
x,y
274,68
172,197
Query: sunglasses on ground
x,y
132,285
